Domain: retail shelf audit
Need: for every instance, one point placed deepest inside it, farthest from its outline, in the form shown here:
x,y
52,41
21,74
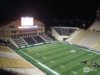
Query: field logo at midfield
x,y
86,69
73,51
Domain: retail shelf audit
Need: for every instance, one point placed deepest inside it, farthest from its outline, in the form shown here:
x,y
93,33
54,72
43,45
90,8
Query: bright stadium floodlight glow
x,y
27,21
22,27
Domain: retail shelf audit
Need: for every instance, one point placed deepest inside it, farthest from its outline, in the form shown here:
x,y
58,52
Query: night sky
x,y
48,9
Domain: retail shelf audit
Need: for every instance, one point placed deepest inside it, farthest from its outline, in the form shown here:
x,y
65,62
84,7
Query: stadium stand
x,y
97,45
78,36
12,46
90,40
65,31
4,49
95,26
30,41
12,62
46,38
86,38
19,42
97,42
25,41
38,39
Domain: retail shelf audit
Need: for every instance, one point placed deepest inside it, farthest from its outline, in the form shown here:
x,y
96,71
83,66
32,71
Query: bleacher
x,y
78,36
20,42
97,43
86,38
38,39
30,40
46,38
26,41
12,62
4,49
64,31
90,40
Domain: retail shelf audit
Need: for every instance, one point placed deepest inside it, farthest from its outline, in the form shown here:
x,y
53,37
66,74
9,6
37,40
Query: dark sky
x,y
48,9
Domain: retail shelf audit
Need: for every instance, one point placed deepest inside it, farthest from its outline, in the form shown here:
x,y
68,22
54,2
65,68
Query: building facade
x,y
11,30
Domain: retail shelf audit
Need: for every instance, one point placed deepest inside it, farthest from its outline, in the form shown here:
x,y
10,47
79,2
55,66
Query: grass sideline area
x,y
58,58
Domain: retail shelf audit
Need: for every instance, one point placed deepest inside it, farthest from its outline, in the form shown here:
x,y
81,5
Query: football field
x,y
62,59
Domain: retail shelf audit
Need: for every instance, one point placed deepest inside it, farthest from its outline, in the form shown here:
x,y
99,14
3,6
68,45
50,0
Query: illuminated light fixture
x,y
22,27
27,21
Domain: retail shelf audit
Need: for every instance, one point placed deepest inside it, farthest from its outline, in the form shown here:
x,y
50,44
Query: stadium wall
x,y
57,36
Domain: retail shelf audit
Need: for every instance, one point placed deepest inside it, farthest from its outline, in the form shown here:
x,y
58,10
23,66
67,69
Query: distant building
x,y
11,30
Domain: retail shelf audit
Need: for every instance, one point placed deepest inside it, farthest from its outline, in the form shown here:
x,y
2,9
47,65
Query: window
x,y
11,26
11,31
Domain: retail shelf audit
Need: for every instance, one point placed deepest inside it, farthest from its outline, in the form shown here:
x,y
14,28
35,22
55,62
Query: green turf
x,y
63,58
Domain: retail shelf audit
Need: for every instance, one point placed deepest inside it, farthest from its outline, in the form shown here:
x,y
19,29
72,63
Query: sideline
x,y
55,73
91,51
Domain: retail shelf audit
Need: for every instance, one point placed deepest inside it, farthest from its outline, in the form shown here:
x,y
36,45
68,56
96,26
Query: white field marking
x,y
73,51
62,66
74,73
56,73
44,57
86,69
52,61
